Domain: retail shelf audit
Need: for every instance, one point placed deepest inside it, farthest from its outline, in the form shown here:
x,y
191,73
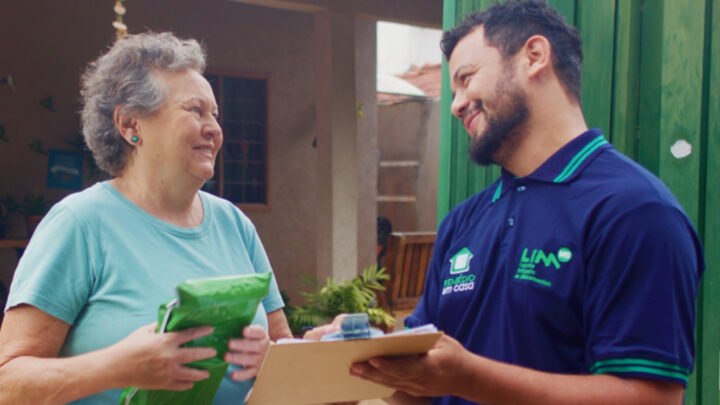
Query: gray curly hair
x,y
123,77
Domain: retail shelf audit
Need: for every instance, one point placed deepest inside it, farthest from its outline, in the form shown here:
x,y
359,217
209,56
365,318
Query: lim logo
x,y
531,258
548,259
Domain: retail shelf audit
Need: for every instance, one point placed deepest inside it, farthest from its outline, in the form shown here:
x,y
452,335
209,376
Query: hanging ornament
x,y
9,80
119,9
2,134
118,24
47,103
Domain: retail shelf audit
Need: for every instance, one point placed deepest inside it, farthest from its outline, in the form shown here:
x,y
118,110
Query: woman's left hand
x,y
248,352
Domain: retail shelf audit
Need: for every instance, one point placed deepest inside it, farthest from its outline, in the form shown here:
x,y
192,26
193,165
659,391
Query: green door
x,y
652,84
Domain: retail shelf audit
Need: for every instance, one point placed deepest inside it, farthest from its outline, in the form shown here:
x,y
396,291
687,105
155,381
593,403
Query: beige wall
x,y
367,121
347,162
409,132
47,43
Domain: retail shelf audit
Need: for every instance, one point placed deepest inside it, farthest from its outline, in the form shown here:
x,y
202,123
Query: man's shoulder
x,y
618,178
479,200
617,193
472,206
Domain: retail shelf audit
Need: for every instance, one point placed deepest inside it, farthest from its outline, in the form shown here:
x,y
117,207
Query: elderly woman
x,y
104,259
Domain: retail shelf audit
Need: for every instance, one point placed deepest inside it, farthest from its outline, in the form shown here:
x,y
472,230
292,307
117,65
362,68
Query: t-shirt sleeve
x,y
273,300
641,285
54,273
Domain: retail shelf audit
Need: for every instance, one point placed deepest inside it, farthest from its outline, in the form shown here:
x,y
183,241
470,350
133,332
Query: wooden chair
x,y
407,261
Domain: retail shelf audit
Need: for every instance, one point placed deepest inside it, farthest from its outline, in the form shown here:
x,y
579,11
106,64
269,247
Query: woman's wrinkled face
x,y
182,137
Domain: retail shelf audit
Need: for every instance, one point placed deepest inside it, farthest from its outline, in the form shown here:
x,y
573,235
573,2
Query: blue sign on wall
x,y
64,170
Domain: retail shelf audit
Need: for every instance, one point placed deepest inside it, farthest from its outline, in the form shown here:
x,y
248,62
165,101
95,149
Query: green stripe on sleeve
x,y
643,362
640,369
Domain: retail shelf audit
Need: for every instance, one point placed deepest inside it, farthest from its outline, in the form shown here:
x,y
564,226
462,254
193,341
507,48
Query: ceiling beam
x,y
426,13
308,6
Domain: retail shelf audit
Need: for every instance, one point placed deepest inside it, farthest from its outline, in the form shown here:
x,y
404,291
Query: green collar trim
x,y
498,192
580,157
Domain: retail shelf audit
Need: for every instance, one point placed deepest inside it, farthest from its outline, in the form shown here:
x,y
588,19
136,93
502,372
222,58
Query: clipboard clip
x,y
354,326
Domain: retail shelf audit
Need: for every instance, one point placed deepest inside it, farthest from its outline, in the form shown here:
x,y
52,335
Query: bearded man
x,y
570,280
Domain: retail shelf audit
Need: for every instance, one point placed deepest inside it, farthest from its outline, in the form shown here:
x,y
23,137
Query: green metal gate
x,y
652,80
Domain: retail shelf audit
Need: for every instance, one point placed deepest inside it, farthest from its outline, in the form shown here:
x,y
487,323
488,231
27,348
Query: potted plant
x,y
336,297
34,206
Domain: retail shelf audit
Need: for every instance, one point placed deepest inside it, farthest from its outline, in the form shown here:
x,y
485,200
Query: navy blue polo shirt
x,y
588,265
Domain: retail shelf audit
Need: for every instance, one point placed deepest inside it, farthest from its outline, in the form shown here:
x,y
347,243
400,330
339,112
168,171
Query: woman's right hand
x,y
319,331
149,360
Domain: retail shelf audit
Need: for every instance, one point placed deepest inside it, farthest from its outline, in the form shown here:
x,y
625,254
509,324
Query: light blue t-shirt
x,y
103,265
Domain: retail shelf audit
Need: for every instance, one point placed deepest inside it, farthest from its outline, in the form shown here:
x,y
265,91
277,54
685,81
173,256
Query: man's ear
x,y
126,124
538,53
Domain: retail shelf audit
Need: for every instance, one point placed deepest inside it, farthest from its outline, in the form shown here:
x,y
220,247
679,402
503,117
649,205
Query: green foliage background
x,y
323,303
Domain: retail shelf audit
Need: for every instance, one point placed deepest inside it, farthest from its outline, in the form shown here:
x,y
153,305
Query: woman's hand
x,y
156,361
248,352
317,332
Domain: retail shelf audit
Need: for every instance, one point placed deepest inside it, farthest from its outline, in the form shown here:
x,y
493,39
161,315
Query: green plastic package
x,y
226,303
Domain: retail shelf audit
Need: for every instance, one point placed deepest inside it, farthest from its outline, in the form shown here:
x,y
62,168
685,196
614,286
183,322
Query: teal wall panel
x,y
708,306
681,99
650,85
626,75
566,8
596,22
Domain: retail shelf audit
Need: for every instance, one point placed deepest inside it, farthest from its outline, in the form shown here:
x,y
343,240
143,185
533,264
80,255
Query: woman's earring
x,y
134,139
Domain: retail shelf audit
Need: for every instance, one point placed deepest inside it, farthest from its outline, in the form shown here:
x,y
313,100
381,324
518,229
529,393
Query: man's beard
x,y
504,129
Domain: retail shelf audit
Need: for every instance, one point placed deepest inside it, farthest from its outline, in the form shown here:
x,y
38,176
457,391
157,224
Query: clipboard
x,y
305,373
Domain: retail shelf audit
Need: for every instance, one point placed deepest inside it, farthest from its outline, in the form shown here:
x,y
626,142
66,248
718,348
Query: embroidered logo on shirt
x,y
460,263
531,258
564,255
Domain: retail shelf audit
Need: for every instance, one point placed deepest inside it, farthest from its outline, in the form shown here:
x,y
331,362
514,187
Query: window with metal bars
x,y
241,171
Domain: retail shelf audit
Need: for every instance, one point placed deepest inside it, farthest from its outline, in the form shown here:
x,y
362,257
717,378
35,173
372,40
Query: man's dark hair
x,y
508,26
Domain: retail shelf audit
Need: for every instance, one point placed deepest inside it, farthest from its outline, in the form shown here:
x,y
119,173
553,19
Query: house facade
x,y
312,65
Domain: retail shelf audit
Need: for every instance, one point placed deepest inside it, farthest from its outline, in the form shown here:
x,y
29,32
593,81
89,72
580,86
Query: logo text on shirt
x,y
530,258
459,263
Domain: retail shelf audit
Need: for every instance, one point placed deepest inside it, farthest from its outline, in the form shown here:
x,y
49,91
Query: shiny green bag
x,y
226,303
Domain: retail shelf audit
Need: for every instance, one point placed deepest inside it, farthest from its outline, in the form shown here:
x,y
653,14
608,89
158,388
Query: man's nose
x,y
459,104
